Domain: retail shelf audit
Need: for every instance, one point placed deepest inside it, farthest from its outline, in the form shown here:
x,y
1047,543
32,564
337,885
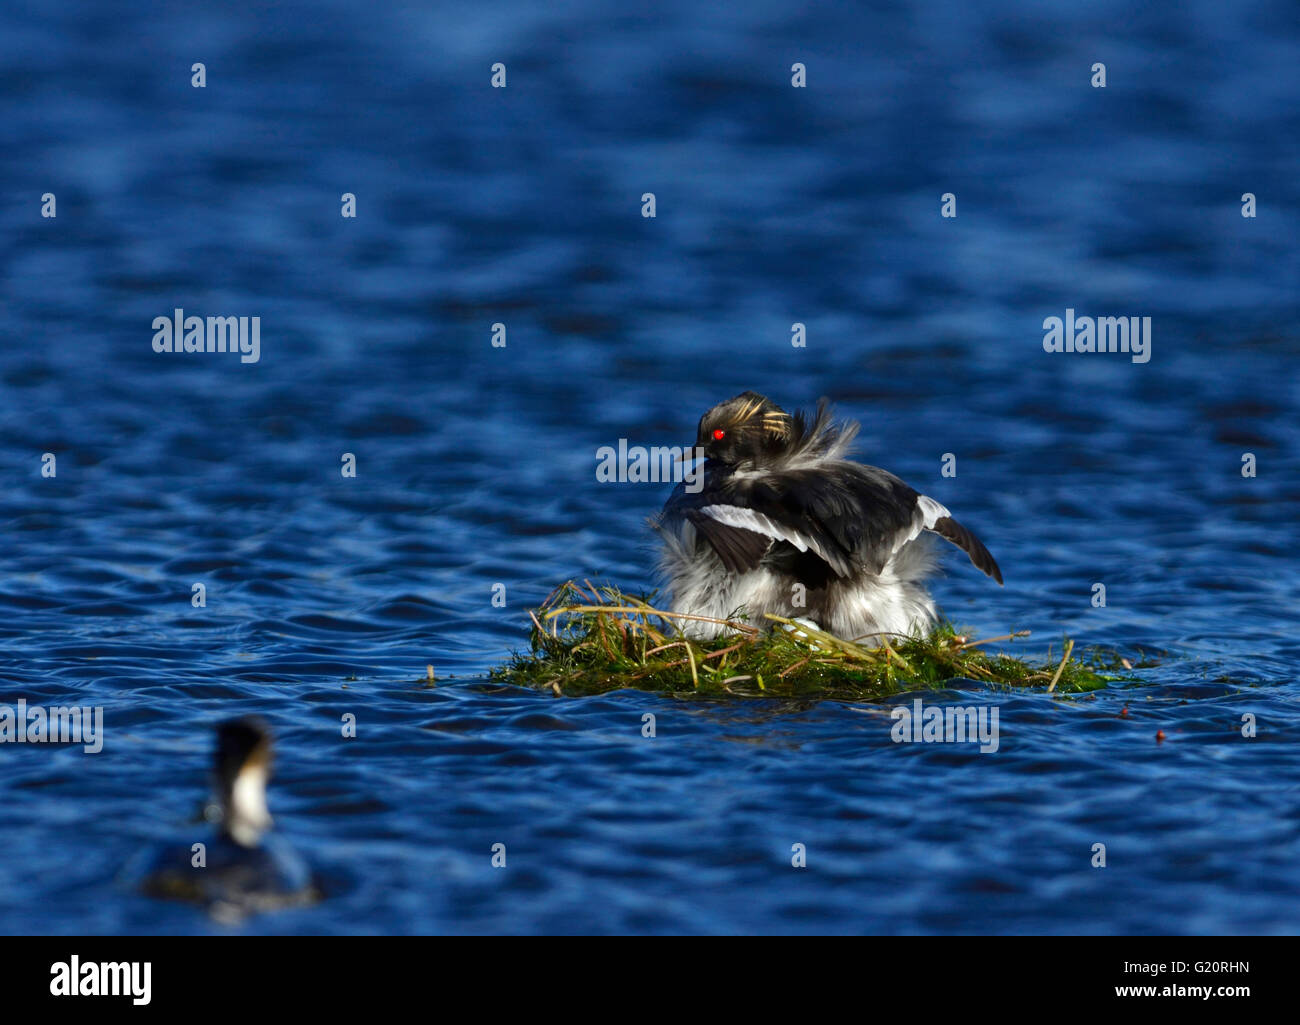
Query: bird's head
x,y
746,430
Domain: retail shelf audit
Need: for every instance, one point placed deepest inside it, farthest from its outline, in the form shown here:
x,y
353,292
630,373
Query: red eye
x,y
719,434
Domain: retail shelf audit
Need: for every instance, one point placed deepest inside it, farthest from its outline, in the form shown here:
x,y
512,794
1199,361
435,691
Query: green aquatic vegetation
x,y
587,640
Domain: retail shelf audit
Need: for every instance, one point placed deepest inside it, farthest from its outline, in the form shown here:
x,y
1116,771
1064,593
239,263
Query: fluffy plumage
x,y
781,506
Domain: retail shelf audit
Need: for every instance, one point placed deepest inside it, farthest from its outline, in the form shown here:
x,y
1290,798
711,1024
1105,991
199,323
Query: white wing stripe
x,y
931,511
928,512
748,519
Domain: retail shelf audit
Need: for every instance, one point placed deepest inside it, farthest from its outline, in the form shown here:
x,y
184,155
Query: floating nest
x,y
589,640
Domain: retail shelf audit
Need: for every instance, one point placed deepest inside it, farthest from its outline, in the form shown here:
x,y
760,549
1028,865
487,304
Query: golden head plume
x,y
772,421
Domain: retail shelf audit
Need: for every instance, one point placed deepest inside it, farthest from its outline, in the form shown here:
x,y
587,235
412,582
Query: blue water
x,y
328,596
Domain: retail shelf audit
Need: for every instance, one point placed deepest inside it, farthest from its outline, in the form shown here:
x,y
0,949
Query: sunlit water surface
x,y
328,596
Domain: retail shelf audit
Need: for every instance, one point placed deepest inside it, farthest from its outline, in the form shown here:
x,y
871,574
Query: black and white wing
x,y
739,548
852,517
